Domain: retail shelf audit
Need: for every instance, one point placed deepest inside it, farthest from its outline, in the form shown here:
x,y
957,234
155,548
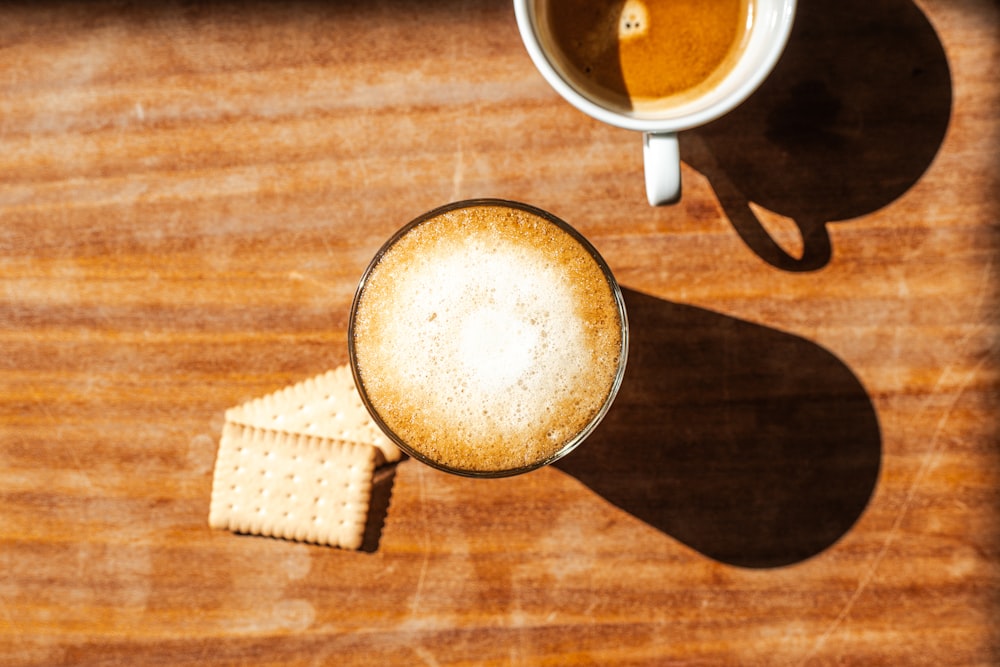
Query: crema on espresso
x,y
645,55
486,338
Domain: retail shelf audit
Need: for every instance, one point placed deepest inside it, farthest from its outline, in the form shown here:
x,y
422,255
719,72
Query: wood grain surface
x,y
803,466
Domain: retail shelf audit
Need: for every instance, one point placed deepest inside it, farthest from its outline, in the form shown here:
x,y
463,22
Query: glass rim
x,y
571,443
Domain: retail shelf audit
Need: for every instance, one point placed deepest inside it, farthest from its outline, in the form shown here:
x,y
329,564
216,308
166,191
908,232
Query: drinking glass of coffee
x,y
488,338
656,66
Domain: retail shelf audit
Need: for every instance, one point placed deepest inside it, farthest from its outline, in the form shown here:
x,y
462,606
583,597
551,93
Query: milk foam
x,y
482,331
487,341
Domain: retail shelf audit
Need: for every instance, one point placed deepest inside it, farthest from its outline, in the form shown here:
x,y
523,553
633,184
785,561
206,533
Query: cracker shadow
x,y
378,507
754,447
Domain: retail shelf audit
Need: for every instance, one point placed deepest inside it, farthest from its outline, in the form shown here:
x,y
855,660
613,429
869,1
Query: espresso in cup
x,y
645,55
655,66
488,338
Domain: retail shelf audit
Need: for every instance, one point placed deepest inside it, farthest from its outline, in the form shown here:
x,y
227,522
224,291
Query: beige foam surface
x,y
326,405
293,486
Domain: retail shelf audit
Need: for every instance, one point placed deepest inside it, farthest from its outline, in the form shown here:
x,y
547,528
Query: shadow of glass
x,y
754,447
848,121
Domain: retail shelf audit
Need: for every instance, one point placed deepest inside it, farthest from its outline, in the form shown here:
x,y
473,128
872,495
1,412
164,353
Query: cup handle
x,y
662,162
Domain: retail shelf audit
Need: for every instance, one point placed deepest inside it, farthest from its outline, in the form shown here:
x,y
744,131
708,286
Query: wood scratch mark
x,y
9,625
57,435
425,543
308,279
458,176
931,455
426,656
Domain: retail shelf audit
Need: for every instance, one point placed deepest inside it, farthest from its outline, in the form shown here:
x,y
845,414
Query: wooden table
x,y
802,467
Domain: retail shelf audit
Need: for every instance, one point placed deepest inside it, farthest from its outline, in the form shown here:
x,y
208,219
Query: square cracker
x,y
293,486
326,405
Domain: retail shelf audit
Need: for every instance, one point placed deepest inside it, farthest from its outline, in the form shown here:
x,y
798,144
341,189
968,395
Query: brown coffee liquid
x,y
642,52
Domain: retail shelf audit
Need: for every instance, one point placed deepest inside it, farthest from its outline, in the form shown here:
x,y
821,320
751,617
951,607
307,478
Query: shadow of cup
x,y
754,447
851,117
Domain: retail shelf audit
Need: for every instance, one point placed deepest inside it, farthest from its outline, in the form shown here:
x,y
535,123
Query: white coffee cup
x,y
770,23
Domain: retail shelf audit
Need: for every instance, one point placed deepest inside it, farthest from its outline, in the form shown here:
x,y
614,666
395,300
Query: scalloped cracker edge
x,y
327,406
298,487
